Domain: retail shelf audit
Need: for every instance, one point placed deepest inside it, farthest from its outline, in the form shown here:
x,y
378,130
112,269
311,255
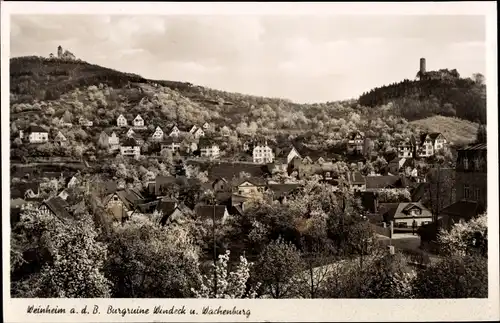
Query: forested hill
x,y
442,93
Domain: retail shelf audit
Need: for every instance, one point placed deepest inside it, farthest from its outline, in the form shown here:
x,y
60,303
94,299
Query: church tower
x,y
59,51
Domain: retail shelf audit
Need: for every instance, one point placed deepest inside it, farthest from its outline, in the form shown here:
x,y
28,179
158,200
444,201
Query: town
x,y
244,189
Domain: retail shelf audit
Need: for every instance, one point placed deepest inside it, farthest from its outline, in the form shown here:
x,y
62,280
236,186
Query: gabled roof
x,y
481,146
18,190
129,197
206,212
390,211
384,181
353,135
129,142
229,170
462,209
171,140
138,117
252,180
280,190
206,142
58,206
32,129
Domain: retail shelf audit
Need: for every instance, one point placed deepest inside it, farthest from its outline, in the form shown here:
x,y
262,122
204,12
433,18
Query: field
x,y
457,131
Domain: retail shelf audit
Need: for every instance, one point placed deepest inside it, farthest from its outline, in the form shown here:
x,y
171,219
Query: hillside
x,y
456,130
445,93
45,91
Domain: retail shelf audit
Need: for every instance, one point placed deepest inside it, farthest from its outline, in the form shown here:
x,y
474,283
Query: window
x,y
466,163
477,193
466,191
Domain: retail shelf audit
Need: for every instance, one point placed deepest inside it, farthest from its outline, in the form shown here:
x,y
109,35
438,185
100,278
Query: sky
x,y
306,59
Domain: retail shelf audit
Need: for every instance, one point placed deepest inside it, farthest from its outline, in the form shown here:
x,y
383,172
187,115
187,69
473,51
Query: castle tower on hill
x,y
422,66
59,51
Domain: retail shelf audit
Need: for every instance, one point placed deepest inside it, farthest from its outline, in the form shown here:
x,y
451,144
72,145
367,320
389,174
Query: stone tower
x,y
59,51
422,66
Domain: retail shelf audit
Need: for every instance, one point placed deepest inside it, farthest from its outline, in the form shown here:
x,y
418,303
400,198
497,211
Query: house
x,y
355,142
73,182
280,192
193,129
198,133
208,148
225,131
109,139
121,121
130,133
459,212
379,182
60,138
171,143
85,122
263,154
174,131
405,149
158,135
206,126
57,207
122,203
138,122
248,187
427,144
209,213
357,182
130,147
396,165
25,190
471,174
171,211
37,134
221,185
405,214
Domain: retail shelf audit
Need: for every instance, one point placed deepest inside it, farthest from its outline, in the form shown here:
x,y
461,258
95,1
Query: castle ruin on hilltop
x,y
441,74
66,55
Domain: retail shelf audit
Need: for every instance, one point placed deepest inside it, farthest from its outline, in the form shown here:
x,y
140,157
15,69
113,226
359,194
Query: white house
x,y
158,134
172,144
60,138
85,122
193,129
263,154
208,148
206,126
130,133
225,131
428,143
199,133
113,141
138,122
174,132
121,121
130,148
292,154
37,134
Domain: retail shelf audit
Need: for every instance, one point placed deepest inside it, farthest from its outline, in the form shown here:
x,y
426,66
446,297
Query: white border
x,y
270,310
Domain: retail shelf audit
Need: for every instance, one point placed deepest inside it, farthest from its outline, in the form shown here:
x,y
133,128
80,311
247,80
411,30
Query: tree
x,y
466,238
145,260
384,276
277,269
72,258
230,284
453,277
